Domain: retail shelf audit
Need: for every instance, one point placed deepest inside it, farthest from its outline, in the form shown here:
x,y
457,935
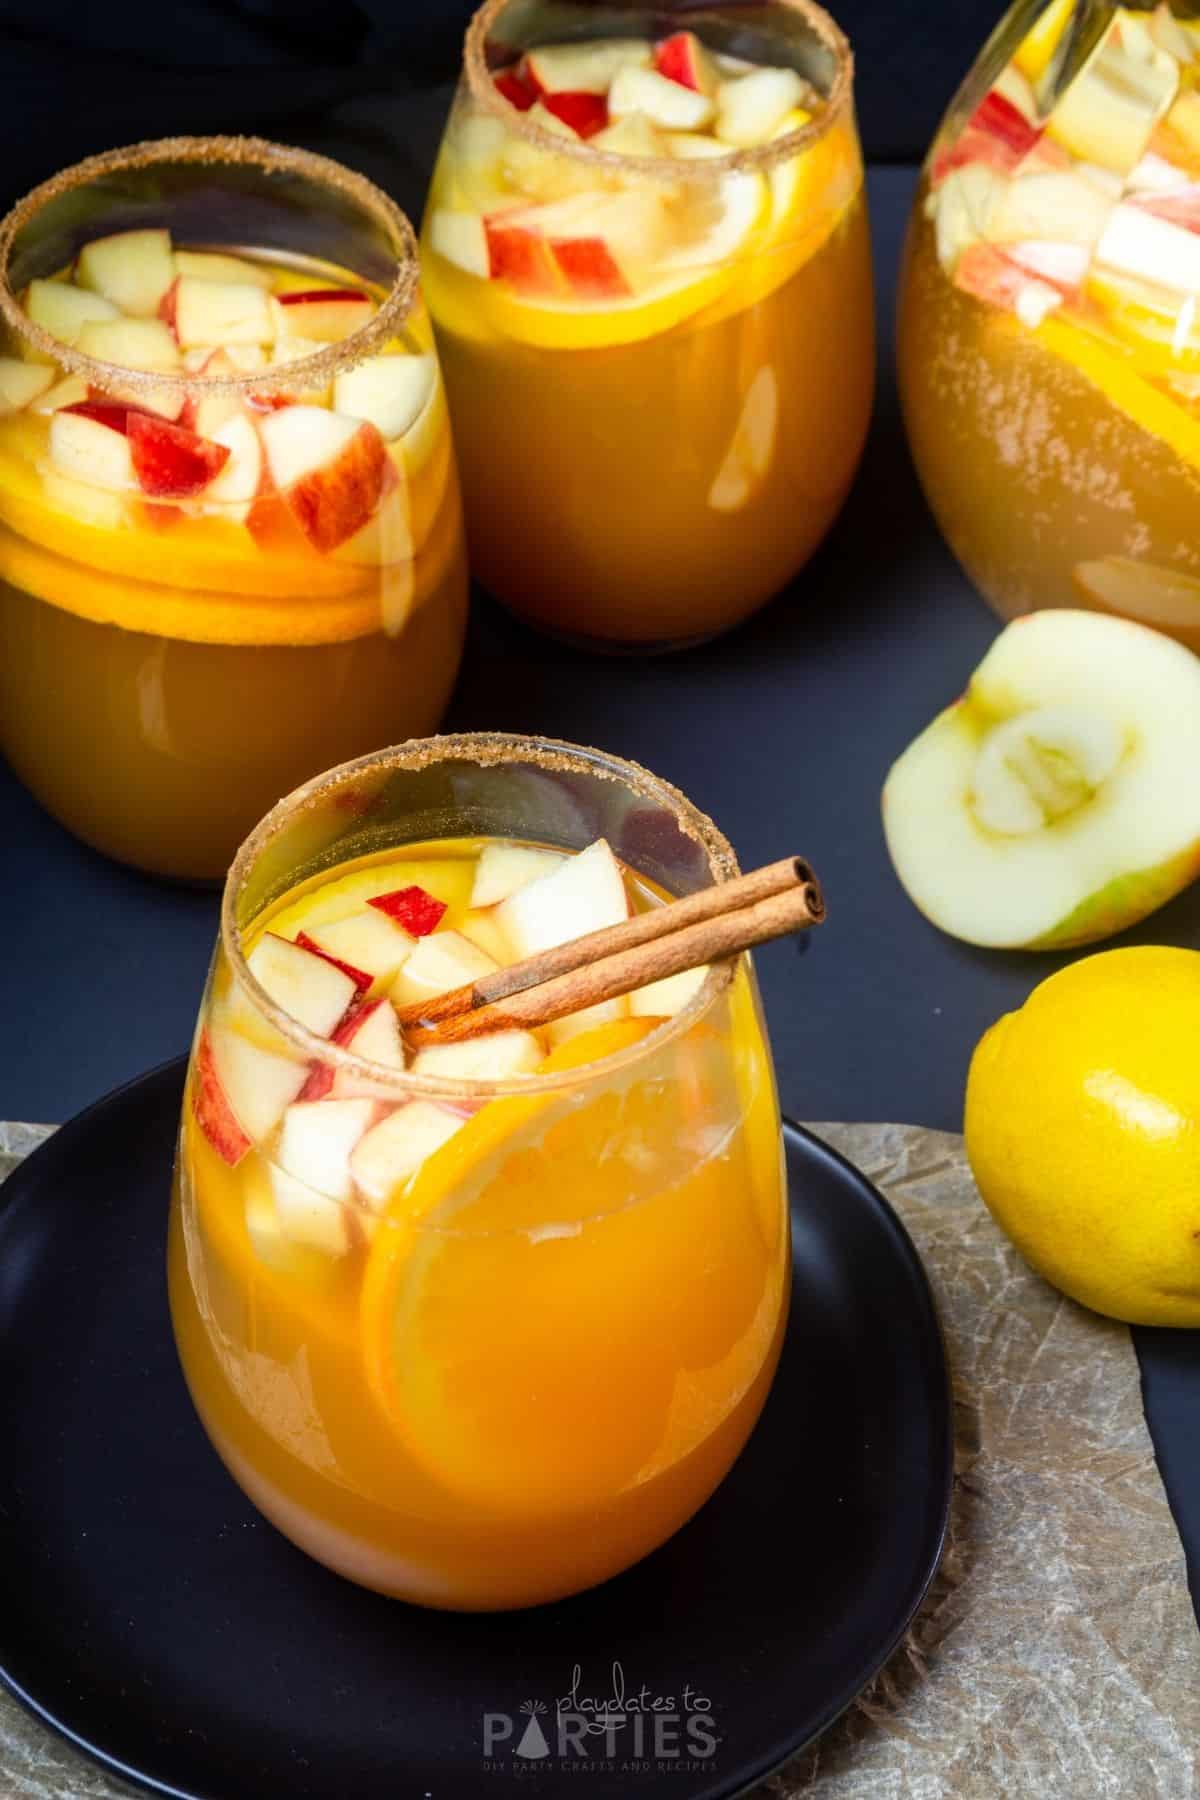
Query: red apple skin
x,y
214,1115
518,89
167,305
104,412
589,267
321,1075
586,114
987,273
520,256
170,462
359,977
1182,208
675,58
354,307
413,908
333,502
997,134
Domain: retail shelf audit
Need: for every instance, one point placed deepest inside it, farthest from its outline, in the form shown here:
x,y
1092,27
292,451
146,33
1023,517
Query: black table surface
x,y
783,731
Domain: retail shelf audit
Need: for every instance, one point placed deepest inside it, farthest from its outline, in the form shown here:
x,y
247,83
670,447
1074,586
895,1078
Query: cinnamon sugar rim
x,y
486,749
305,372
831,106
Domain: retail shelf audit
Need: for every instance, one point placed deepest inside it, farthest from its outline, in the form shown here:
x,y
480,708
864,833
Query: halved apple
x,y
133,269
1058,800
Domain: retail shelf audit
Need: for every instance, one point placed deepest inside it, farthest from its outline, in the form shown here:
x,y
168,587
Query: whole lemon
x,y
1083,1132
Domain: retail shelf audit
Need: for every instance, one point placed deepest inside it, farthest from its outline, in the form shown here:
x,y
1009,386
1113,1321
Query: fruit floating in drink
x,y
1049,344
647,259
477,1326
230,531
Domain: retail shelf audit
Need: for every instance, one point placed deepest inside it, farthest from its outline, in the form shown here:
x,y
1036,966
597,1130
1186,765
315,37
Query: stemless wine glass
x,y
230,530
532,1360
1049,346
658,345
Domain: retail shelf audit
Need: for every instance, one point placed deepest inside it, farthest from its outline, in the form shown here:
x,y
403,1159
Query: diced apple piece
x,y
683,58
243,359
329,470
516,90
584,894
1155,176
750,108
72,390
374,1034
311,1178
1063,208
394,1150
1045,808
323,315
237,483
91,448
214,1115
632,135
1168,34
306,987
211,265
130,343
258,1084
63,310
22,382
367,940
663,999
989,275
1012,86
665,103
997,135
1064,266
460,237
440,962
389,391
692,146
1134,242
590,239
496,1057
480,928
586,114
219,312
170,462
133,269
1108,113
503,868
414,909
962,209
588,68
520,254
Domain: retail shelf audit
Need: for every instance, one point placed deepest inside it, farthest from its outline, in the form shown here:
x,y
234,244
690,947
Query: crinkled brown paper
x,y
1057,1654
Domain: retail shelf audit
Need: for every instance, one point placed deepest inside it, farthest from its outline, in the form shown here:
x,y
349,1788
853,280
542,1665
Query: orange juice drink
x,y
481,1326
1049,347
648,264
231,544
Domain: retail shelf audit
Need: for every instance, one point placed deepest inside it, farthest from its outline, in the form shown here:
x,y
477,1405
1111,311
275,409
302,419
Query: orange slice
x,y
1117,379
554,1286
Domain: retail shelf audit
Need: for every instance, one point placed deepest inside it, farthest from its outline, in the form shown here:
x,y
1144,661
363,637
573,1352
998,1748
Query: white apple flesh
x,y
311,1175
130,343
394,1150
585,68
63,310
503,868
587,893
665,103
133,269
1057,801
390,392
21,383
750,108
440,962
495,1057
460,238
367,940
90,451
220,312
306,987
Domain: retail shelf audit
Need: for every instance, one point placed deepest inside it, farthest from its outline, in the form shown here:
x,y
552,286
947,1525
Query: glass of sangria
x,y
231,544
647,259
481,1326
1049,342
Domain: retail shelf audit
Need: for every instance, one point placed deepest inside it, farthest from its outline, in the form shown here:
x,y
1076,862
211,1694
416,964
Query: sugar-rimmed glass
x,y
545,1351
171,661
675,350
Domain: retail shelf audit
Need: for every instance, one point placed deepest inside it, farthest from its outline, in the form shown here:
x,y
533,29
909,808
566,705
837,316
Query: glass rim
x,y
834,105
305,372
486,749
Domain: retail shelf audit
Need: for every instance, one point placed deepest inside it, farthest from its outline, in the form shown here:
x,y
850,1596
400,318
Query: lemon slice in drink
x,y
1168,599
533,1298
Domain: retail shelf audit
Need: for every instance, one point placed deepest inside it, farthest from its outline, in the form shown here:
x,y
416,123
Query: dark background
x,y
784,730
79,77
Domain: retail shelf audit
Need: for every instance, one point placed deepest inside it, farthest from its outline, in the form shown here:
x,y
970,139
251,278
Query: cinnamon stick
x,y
706,927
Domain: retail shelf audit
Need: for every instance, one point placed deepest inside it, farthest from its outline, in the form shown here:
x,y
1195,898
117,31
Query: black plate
x,y
150,1615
